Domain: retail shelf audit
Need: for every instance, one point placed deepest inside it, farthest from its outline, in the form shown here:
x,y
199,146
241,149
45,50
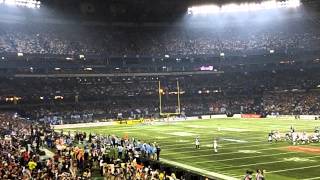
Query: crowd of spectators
x,y
75,155
157,42
299,103
100,88
272,103
20,144
87,99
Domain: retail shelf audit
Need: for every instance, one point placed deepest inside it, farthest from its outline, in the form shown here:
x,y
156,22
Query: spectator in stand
x,y
63,40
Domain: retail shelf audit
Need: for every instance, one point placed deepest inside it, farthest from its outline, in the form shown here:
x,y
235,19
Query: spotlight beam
x,y
265,5
22,3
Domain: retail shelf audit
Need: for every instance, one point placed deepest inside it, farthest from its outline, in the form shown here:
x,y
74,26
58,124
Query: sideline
x,y
199,171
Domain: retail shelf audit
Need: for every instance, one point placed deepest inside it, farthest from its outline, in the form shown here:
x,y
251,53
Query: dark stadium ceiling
x,y
139,9
148,2
132,10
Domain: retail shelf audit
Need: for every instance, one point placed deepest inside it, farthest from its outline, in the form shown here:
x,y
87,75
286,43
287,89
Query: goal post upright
x,y
178,92
160,93
160,97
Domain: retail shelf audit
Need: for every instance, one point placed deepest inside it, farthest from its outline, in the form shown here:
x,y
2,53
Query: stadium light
x,y
58,97
265,5
206,68
81,56
88,69
23,3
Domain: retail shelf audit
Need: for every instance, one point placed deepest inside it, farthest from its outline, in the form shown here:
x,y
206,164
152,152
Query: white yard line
x,y
246,157
314,178
198,170
292,169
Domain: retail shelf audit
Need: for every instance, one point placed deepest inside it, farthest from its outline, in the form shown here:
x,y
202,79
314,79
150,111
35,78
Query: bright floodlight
x,y
271,4
23,3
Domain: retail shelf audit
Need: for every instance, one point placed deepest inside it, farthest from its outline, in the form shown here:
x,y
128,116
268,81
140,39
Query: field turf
x,y
242,145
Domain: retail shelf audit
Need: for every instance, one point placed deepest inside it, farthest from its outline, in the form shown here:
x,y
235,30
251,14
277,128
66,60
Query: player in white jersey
x,y
215,145
294,137
315,137
304,138
197,142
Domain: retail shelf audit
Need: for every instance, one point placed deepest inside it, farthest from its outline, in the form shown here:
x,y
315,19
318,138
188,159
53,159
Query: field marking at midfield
x,y
218,154
199,170
268,162
292,169
245,157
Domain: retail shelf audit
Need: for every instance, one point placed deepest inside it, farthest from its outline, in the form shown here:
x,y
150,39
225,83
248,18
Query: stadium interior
x,y
97,89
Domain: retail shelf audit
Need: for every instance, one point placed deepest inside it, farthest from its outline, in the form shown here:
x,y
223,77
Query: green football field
x,y
242,145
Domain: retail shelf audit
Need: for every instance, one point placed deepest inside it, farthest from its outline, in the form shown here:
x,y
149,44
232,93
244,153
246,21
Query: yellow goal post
x,y
161,93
